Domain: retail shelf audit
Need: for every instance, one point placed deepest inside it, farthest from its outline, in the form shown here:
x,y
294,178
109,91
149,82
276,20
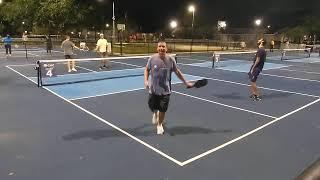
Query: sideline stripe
x,y
232,107
246,134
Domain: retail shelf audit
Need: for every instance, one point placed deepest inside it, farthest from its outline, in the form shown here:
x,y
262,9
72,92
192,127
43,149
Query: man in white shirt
x,y
101,48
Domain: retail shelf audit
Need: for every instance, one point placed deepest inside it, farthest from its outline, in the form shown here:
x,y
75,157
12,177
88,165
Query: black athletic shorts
x,y
158,102
254,75
68,57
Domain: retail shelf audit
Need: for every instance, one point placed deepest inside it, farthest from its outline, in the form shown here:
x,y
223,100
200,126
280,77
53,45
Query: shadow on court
x,y
138,131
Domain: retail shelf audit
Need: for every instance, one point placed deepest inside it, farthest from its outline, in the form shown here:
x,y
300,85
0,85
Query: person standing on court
x,y
271,45
49,43
256,68
159,68
101,48
67,45
7,44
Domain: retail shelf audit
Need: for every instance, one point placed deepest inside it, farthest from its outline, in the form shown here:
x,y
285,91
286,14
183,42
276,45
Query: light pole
x,y
257,23
113,22
192,9
113,27
173,25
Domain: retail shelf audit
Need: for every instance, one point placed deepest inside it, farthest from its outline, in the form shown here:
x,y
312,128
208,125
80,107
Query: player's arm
x,y
181,77
74,46
146,76
256,62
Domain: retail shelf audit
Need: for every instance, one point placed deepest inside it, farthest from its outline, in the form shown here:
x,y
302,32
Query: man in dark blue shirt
x,y
256,68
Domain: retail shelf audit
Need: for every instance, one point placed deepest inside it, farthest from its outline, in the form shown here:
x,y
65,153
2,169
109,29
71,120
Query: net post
x,y
283,53
38,73
213,59
25,48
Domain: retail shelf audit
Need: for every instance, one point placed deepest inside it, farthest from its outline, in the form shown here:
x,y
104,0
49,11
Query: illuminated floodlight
x,y
222,25
173,24
258,22
191,8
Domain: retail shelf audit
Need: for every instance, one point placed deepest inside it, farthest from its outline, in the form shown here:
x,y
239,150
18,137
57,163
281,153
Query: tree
x,y
297,33
54,15
18,11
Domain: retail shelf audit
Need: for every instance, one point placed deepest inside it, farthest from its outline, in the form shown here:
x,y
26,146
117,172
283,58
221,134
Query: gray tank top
x,y
160,71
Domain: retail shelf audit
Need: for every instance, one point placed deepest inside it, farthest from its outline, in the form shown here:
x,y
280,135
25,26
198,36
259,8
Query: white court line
x,y
191,59
57,51
106,122
33,54
110,61
246,134
225,105
86,69
99,95
15,65
271,89
307,72
289,77
127,64
118,92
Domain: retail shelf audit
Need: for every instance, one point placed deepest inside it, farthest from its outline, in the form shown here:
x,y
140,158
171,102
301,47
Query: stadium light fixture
x,y
258,22
173,24
192,9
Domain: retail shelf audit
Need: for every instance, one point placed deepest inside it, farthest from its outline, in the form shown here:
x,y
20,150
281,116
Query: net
x,y
57,72
195,54
289,54
247,55
235,57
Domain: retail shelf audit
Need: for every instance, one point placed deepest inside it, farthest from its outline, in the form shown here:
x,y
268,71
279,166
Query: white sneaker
x,y
160,129
69,70
155,117
74,69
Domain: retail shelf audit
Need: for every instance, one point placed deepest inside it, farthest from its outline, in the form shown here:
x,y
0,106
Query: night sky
x,y
151,15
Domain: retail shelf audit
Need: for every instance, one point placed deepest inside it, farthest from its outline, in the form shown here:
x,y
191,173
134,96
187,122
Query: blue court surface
x,y
102,129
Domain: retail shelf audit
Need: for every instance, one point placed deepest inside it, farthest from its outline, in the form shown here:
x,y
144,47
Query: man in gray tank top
x,y
159,68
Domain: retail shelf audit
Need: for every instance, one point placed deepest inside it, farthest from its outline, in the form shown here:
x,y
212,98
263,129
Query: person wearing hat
x,y
256,68
7,44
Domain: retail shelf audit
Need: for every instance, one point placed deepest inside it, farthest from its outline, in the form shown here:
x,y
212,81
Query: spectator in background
x,y
7,44
271,45
101,48
48,43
